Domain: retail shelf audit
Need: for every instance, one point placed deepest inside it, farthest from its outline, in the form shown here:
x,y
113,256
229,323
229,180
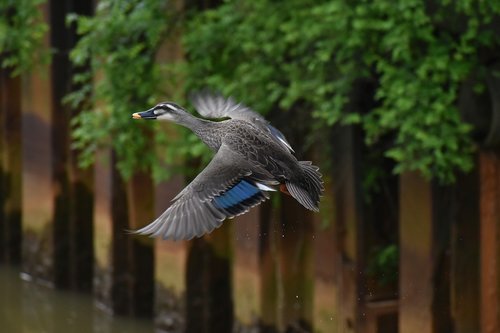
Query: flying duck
x,y
251,159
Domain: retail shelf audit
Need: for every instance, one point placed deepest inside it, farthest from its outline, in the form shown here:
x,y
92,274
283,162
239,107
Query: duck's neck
x,y
204,129
188,120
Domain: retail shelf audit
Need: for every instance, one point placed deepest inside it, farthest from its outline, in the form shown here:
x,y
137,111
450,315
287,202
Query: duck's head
x,y
162,111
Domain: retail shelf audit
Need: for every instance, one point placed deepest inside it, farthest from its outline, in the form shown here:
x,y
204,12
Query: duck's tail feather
x,y
307,187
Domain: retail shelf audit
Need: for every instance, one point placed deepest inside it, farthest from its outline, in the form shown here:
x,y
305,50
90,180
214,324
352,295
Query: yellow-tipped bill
x,y
149,114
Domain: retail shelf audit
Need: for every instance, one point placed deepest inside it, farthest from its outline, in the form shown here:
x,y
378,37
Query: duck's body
x,y
252,157
248,140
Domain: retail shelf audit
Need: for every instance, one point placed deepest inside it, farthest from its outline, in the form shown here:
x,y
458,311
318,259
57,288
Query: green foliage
x,y
383,264
420,64
284,53
239,48
289,55
117,52
22,31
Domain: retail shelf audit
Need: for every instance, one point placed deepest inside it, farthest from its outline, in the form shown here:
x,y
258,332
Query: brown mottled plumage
x,y
252,157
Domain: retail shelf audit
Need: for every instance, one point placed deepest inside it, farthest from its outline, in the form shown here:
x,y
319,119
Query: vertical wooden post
x,y
11,167
296,263
73,252
441,230
170,265
124,262
325,306
113,278
38,192
295,244
120,267
349,229
268,261
140,195
465,263
220,297
102,226
490,241
81,183
82,233
60,136
209,305
3,226
196,282
57,234
246,285
424,265
416,288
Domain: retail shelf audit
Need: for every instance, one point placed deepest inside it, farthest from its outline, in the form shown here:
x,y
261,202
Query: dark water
x,y
27,307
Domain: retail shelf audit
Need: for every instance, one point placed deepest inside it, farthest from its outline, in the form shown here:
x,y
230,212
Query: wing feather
x,y
216,106
194,211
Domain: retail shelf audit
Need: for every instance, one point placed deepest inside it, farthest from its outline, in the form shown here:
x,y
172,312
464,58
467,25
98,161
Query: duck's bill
x,y
149,114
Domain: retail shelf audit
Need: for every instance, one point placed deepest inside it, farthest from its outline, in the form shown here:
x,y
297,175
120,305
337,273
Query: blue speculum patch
x,y
237,194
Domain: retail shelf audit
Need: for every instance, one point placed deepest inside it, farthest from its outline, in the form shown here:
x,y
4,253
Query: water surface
x,y
28,307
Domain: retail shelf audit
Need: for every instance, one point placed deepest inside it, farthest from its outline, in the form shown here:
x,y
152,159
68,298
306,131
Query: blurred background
x,y
398,102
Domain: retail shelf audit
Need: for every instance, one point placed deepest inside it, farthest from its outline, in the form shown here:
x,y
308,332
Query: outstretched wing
x,y
227,187
216,106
